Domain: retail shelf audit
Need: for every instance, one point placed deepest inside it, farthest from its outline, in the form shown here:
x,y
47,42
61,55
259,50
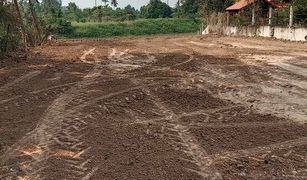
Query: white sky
x,y
121,3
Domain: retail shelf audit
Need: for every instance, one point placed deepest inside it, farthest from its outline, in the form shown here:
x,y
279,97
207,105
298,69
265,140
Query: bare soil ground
x,y
162,107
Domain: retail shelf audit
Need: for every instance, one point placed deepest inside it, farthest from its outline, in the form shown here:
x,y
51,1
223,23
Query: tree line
x,y
154,9
25,23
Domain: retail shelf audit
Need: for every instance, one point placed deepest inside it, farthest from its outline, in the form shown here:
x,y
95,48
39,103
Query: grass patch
x,y
134,28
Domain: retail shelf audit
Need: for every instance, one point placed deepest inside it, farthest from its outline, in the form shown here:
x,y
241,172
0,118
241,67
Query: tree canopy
x,y
156,9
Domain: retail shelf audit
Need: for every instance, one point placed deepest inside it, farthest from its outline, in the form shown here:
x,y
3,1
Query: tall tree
x,y
156,9
131,9
192,7
74,13
51,5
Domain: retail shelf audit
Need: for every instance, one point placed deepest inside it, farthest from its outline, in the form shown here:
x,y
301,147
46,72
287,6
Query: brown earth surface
x,y
160,107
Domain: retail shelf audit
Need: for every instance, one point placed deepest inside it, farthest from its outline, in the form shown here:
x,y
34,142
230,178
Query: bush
x,y
138,27
63,27
59,26
8,43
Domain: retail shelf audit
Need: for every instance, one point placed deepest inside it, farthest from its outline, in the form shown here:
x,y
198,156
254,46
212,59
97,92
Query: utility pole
x,y
95,3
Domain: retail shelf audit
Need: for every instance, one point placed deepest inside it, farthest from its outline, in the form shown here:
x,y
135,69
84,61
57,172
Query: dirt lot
x,y
163,107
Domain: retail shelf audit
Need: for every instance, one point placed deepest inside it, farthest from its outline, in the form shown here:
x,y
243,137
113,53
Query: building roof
x,y
240,5
243,3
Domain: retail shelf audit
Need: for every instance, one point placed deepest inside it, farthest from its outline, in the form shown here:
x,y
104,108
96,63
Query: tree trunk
x,y
7,35
253,15
22,26
36,25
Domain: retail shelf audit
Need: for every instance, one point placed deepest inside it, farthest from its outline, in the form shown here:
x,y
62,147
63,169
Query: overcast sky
x,y
121,3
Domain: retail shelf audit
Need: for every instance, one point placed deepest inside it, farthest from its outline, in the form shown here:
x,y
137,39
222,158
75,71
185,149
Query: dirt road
x,y
163,107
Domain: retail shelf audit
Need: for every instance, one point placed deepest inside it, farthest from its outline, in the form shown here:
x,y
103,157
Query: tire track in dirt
x,y
181,136
262,149
292,68
55,131
54,88
186,140
284,102
20,79
237,125
85,54
190,144
191,57
55,137
10,99
65,134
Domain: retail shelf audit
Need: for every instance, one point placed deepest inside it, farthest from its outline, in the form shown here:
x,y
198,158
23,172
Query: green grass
x,y
134,28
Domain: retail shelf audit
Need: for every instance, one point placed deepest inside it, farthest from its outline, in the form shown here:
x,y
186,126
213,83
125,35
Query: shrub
x,y
59,26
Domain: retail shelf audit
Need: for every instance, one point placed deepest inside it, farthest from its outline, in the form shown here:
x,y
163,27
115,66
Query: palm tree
x,y
114,3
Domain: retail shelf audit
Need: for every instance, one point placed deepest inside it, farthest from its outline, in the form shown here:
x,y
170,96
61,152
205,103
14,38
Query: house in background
x,y
242,4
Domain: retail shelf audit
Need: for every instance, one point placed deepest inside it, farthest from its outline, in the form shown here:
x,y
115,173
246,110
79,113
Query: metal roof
x,y
239,5
243,3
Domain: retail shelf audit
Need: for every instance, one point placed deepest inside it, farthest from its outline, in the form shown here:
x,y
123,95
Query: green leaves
x,y
300,12
156,9
201,7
